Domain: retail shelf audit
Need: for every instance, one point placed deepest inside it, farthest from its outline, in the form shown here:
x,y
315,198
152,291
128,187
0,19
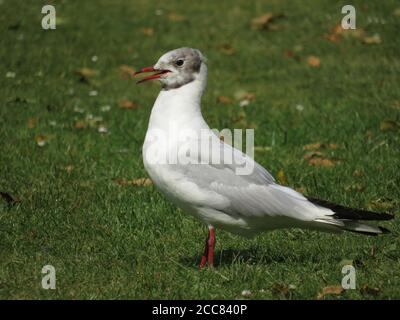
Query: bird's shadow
x,y
253,255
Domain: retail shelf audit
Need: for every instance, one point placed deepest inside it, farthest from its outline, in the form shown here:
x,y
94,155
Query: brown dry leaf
x,y
126,71
127,104
149,32
9,198
288,53
314,61
366,289
31,123
321,162
334,290
80,124
41,140
375,39
382,204
281,177
389,125
224,100
134,182
356,186
227,49
358,173
318,145
313,154
241,95
86,73
280,289
264,21
176,17
69,168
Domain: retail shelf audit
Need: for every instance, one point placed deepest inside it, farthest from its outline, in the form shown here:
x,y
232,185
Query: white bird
x,y
244,204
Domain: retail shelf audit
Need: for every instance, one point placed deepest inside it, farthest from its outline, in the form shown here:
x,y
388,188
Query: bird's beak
x,y
156,75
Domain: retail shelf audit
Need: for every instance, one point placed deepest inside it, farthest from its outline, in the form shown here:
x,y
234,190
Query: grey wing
x,y
254,194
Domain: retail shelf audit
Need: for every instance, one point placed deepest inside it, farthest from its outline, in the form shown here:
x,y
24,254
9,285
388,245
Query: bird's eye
x,y
179,62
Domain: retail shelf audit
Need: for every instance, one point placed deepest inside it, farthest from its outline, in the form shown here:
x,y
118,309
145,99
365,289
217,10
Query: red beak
x,y
151,77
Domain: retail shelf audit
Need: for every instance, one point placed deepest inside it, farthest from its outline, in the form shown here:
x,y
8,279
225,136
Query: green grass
x,y
111,241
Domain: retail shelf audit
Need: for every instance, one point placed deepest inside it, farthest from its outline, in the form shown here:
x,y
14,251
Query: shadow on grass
x,y
247,256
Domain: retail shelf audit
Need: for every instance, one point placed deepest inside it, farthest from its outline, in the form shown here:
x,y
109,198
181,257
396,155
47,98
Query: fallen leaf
x,y
280,289
244,95
149,32
358,173
319,145
375,39
9,198
389,125
126,71
314,61
366,289
41,140
332,290
321,162
86,73
224,100
262,149
31,123
281,177
80,124
318,159
355,186
246,293
134,182
383,204
175,17
264,21
227,49
127,104
69,168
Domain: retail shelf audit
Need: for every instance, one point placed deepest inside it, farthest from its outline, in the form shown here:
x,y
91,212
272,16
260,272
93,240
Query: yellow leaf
x,y
375,39
148,31
126,71
31,123
314,61
224,100
281,177
41,140
135,182
175,17
264,21
333,290
389,125
227,49
126,104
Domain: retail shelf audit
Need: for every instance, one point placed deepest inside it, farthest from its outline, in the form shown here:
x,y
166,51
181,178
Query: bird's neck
x,y
180,107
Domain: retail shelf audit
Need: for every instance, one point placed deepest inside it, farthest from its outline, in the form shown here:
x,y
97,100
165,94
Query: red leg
x,y
204,257
208,255
211,247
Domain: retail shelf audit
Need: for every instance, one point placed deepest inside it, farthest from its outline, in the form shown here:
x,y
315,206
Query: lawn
x,y
325,105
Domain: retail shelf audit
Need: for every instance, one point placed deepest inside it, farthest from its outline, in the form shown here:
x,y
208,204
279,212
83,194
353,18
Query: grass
x,y
113,242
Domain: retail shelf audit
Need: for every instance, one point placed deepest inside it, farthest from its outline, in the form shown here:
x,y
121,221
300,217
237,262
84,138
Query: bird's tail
x,y
348,219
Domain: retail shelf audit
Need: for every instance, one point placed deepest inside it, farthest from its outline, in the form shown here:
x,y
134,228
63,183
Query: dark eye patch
x,y
179,62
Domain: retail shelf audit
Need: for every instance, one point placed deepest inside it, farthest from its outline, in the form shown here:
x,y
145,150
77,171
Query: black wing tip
x,y
342,212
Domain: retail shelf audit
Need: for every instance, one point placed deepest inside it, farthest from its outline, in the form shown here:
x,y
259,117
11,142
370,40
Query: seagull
x,y
222,194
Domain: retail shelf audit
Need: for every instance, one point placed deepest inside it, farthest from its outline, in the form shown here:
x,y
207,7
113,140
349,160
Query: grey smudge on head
x,y
184,73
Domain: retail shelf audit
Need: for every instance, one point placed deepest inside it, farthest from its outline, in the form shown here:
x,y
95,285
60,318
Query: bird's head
x,y
176,68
